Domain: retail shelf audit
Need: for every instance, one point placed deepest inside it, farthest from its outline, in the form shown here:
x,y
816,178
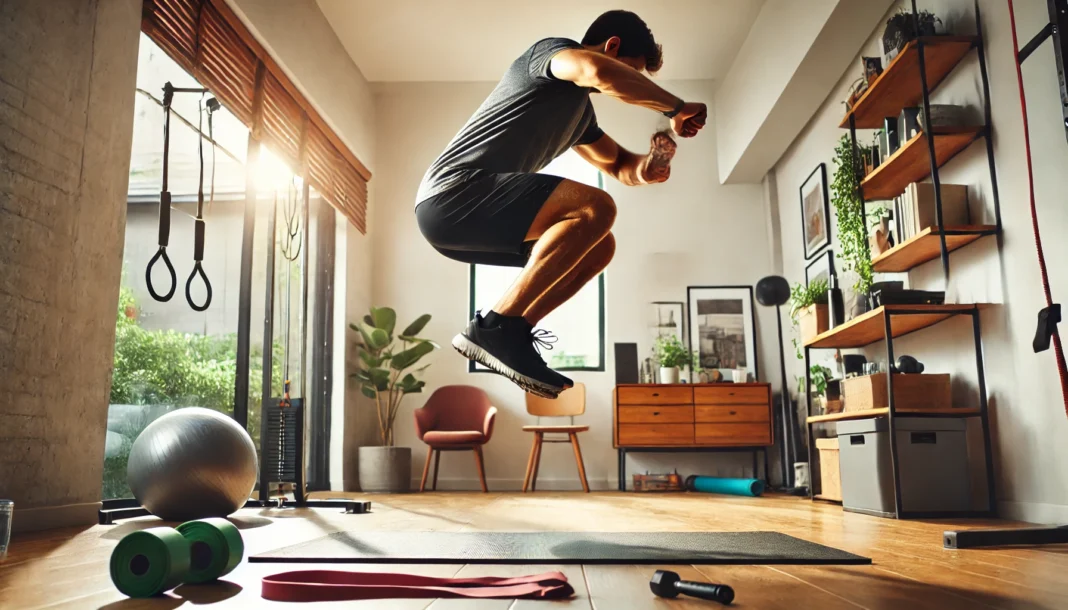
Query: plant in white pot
x,y
671,354
386,376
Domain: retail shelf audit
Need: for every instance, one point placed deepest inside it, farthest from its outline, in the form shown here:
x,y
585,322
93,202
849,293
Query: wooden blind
x,y
206,38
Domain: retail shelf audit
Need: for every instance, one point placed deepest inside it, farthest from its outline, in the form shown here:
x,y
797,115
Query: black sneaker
x,y
508,349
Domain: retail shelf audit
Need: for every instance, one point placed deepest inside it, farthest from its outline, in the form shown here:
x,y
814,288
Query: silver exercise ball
x,y
192,463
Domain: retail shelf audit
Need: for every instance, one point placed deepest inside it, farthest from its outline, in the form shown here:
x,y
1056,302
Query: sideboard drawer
x,y
727,395
655,434
733,434
655,395
708,414
667,414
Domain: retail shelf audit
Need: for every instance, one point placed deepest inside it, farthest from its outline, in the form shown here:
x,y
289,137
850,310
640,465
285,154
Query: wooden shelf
x,y
899,85
927,246
911,163
869,328
815,419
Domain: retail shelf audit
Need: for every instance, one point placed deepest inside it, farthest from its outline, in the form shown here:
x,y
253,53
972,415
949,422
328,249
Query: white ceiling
x,y
476,40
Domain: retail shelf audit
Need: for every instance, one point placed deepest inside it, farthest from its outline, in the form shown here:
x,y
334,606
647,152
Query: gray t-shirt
x,y
529,119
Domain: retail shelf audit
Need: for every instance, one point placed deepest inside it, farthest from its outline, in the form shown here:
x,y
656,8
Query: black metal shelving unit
x,y
888,313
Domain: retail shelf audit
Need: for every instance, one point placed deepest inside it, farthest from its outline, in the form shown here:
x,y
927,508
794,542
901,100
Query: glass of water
x,y
7,509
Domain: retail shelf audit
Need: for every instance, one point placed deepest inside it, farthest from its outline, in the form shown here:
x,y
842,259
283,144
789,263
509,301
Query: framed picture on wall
x,y
815,212
722,328
821,268
668,319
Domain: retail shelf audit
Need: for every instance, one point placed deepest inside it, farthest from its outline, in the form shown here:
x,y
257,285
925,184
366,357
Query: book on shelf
x,y
919,208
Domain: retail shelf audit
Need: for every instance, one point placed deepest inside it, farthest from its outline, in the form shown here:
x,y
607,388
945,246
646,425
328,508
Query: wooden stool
x,y
570,403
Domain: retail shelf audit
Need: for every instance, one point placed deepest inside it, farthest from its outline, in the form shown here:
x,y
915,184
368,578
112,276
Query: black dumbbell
x,y
667,584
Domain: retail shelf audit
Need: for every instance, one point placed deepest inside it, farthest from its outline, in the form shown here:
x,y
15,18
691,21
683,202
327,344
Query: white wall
x,y
790,58
689,231
302,42
1030,428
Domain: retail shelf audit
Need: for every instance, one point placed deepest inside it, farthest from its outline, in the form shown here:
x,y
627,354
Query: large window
x,y
167,355
579,323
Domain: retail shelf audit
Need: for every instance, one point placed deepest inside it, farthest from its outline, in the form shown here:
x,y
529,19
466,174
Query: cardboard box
x,y
830,473
910,392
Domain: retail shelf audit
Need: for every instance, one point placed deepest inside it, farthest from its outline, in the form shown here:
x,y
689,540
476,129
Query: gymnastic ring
x,y
161,254
197,268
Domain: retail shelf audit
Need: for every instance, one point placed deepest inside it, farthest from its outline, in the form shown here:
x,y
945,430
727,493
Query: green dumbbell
x,y
148,562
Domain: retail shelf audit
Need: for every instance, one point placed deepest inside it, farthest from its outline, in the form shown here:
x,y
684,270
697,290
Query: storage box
x,y
910,392
830,477
658,482
812,321
932,460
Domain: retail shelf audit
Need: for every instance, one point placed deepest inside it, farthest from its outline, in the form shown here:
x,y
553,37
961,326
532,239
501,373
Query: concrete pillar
x,y
67,76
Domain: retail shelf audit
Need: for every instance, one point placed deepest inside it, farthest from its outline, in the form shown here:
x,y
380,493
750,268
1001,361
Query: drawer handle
x,y
656,393
656,412
734,412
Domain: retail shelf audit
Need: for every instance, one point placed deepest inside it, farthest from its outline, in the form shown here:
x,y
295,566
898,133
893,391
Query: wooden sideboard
x,y
691,417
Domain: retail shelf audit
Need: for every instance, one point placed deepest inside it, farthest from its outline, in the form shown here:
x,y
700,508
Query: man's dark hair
x,y
636,39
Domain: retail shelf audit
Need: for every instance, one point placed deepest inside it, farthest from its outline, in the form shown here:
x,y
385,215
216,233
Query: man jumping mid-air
x,y
483,202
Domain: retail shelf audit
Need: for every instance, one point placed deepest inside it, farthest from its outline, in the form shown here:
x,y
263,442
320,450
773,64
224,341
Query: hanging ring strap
x,y
164,208
333,585
199,226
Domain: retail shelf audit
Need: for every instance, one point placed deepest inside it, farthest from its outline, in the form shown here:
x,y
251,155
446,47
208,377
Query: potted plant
x,y
386,376
903,28
808,308
671,354
852,224
820,376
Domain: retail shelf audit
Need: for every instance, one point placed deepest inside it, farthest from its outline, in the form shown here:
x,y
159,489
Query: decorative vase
x,y
669,374
385,469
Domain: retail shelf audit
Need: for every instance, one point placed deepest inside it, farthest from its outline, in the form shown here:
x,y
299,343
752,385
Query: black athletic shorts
x,y
486,220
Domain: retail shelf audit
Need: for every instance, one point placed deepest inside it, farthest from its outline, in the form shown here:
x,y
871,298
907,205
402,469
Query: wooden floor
x,y
69,568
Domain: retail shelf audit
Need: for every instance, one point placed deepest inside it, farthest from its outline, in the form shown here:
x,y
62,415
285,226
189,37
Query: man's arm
x,y
629,168
618,80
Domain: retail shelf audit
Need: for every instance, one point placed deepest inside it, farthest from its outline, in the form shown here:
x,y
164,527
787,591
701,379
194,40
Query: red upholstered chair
x,y
455,418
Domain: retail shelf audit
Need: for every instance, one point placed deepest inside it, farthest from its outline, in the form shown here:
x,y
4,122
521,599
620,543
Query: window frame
x,y
472,307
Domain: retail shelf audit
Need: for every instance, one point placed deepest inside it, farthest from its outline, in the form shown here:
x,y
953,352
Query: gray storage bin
x,y
932,461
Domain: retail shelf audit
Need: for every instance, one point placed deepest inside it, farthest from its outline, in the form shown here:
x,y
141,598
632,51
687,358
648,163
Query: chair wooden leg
x,y
426,468
437,462
481,468
530,462
578,460
538,437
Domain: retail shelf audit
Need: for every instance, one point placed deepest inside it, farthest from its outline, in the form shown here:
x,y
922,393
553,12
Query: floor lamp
x,y
774,291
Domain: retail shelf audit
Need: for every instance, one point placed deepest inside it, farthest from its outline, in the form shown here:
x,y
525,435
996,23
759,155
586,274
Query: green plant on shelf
x,y
801,297
670,352
849,210
820,376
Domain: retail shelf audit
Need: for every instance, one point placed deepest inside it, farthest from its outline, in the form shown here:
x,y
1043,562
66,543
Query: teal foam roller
x,y
718,485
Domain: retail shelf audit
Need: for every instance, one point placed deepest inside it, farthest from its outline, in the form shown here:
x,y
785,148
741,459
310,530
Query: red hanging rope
x,y
1058,350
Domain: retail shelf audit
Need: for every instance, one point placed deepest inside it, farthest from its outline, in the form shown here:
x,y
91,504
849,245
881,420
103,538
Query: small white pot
x,y
669,374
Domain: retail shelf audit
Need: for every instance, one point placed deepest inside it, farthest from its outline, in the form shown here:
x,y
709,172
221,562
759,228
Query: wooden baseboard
x,y
50,517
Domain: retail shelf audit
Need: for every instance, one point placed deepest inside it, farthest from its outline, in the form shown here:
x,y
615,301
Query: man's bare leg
x,y
573,220
588,268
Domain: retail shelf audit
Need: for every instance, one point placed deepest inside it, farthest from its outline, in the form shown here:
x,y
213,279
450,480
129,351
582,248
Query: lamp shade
x,y
772,291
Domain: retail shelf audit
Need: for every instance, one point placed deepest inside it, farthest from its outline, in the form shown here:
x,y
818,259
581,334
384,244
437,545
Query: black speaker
x,y
626,363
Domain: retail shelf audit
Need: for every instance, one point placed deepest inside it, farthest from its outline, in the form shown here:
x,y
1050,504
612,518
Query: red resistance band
x,y
333,585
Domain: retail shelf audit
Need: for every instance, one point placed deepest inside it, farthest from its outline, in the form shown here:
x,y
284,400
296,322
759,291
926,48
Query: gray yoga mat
x,y
706,548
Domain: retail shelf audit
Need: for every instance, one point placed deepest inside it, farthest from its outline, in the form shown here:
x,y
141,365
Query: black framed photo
x,y
815,212
821,268
722,328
